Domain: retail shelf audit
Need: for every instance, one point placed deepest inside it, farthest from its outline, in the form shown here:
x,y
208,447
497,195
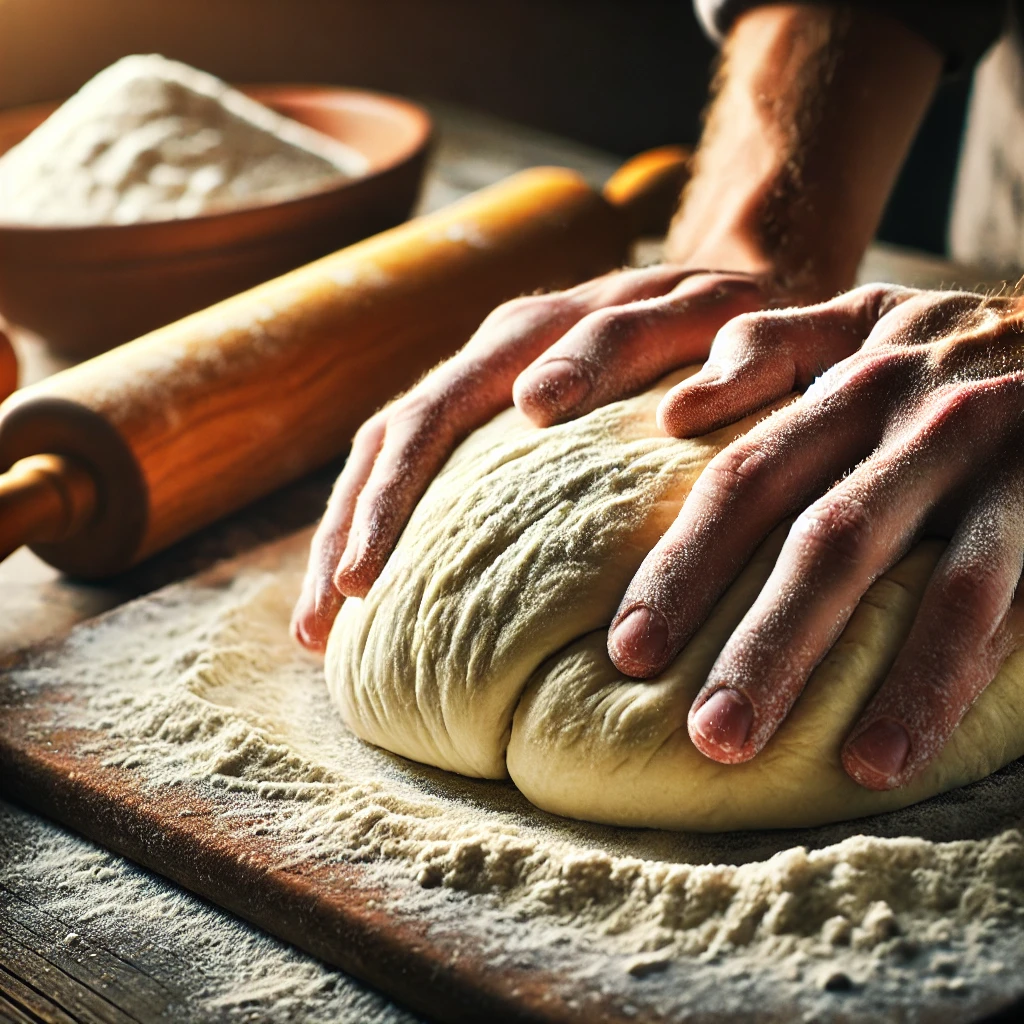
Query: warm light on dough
x,y
481,649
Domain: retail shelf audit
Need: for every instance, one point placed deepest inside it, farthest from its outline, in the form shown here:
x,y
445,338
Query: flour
x,y
202,963
153,139
201,687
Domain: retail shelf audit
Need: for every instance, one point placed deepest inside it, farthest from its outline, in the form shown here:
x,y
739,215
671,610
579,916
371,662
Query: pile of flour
x,y
201,687
153,139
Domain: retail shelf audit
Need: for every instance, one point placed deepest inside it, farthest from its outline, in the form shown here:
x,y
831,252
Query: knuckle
x,y
634,282
864,375
833,529
417,410
957,410
747,330
739,473
971,597
986,409
874,366
918,317
877,298
516,314
523,304
614,325
417,421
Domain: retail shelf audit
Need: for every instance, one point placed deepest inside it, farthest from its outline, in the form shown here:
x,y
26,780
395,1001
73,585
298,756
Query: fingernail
x,y
724,719
355,573
301,634
641,639
344,568
350,558
882,747
346,581
560,384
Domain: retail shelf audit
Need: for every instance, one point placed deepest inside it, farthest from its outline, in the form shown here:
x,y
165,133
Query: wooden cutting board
x,y
479,963
191,835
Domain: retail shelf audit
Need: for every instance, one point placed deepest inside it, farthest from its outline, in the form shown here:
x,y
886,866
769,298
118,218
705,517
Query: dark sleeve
x,y
962,29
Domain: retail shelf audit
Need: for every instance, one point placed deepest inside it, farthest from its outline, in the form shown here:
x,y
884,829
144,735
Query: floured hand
x,y
557,356
916,426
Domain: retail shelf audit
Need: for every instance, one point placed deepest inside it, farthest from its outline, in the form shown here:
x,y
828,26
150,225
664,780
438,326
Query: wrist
x,y
802,271
798,263
814,109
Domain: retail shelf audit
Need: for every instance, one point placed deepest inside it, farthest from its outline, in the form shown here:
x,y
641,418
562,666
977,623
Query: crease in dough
x,y
482,647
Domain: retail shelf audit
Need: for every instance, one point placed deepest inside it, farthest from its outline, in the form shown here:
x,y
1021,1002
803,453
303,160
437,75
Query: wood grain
x,y
336,912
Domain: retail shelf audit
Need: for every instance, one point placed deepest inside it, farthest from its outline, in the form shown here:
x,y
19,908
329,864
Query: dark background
x,y
619,74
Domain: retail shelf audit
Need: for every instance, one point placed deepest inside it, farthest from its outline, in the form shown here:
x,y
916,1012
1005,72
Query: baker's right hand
x,y
557,356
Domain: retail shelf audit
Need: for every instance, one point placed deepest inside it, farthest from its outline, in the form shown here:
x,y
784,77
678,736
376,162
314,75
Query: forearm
x,y
814,110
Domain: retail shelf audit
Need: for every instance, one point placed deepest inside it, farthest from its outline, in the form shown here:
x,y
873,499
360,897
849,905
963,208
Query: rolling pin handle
x,y
44,499
647,189
8,367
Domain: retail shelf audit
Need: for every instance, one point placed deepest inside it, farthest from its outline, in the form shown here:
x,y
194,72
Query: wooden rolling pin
x,y
8,367
120,456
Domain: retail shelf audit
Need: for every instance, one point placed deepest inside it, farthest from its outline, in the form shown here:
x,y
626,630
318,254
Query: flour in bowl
x,y
153,139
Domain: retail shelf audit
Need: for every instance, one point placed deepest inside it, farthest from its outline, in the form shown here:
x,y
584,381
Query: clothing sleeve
x,y
962,29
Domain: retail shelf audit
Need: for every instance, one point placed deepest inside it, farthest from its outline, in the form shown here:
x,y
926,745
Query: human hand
x,y
917,427
557,356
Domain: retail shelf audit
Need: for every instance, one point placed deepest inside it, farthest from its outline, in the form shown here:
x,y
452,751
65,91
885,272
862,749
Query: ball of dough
x,y
482,647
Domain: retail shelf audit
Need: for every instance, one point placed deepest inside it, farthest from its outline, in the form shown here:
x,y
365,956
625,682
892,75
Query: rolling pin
x,y
8,367
120,456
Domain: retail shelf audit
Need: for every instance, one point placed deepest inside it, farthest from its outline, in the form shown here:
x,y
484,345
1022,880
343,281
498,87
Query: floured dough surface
x,y
481,649
153,139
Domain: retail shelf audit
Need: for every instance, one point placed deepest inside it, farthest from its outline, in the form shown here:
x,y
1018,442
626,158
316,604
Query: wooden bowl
x,y
86,289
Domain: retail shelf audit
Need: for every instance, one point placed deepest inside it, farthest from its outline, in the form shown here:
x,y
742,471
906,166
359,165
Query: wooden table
x,y
77,939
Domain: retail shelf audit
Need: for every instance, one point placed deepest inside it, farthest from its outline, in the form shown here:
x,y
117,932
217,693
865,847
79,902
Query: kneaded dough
x,y
482,647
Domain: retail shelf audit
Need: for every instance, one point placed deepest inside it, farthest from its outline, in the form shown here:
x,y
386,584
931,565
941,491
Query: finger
x,y
619,349
836,549
955,648
425,426
757,358
422,430
772,472
833,553
320,599
526,326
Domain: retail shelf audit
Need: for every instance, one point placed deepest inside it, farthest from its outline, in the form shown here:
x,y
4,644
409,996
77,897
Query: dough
x,y
481,649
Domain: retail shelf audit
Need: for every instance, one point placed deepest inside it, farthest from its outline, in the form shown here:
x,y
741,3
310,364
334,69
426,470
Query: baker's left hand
x,y
558,355
916,425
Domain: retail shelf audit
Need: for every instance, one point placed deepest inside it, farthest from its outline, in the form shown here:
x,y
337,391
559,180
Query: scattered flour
x,y
200,963
199,686
153,139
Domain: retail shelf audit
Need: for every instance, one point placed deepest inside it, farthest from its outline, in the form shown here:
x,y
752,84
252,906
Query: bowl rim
x,y
414,113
